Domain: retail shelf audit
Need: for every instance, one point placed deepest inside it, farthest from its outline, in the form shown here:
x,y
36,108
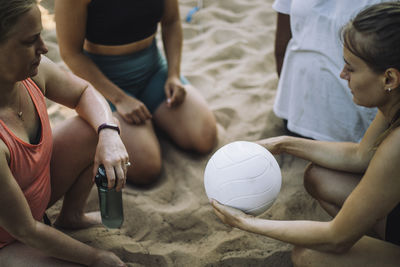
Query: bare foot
x,y
78,222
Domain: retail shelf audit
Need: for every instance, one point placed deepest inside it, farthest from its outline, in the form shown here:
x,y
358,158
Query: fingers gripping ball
x,y
243,175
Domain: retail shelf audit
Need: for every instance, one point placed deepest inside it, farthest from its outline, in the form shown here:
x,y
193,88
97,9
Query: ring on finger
x,y
128,164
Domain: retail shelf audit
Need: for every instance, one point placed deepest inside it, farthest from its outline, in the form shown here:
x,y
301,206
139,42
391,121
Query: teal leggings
x,y
141,74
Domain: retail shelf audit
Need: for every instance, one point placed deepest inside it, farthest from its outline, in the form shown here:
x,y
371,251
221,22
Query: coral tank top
x,y
30,163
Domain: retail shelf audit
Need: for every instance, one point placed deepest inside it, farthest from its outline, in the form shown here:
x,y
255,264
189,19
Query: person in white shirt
x,y
311,97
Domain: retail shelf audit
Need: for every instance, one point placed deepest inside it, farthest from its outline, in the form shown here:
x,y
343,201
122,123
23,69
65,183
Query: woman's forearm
x,y
309,234
59,245
335,155
93,108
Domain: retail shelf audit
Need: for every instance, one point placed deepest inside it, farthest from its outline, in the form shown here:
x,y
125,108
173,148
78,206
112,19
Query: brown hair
x,y
10,11
373,35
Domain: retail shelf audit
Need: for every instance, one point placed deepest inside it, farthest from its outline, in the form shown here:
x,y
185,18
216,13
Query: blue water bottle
x,y
110,201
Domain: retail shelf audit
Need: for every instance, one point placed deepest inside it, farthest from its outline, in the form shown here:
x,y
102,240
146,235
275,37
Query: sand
x,y
228,57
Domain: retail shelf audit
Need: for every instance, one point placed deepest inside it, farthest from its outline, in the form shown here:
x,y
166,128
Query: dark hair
x,y
10,11
373,35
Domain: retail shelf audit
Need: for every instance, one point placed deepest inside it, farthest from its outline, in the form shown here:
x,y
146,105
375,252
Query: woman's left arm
x,y
373,198
310,234
172,40
67,89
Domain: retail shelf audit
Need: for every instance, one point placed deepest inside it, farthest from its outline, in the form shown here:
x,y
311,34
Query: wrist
x,y
173,76
282,144
108,126
245,223
117,97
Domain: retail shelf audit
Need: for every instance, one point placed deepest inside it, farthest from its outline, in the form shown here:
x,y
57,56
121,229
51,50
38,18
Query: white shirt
x,y
313,98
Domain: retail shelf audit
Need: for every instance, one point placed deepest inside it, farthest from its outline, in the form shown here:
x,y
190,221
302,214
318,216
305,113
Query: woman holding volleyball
x,y
358,184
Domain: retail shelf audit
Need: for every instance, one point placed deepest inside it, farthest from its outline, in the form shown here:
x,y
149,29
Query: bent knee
x,y
68,129
144,174
311,181
145,171
204,140
207,141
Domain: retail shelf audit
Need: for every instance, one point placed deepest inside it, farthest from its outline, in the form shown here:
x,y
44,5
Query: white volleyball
x,y
243,175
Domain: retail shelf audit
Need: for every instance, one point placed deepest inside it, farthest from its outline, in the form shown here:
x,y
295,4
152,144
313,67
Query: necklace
x,y
19,113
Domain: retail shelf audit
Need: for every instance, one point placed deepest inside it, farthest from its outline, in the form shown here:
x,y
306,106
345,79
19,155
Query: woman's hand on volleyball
x,y
272,144
133,111
175,92
229,215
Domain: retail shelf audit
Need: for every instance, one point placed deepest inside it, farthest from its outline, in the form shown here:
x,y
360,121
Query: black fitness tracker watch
x,y
108,126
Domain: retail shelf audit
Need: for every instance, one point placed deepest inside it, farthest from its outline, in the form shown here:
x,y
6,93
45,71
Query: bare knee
x,y
311,181
207,140
204,139
146,170
66,132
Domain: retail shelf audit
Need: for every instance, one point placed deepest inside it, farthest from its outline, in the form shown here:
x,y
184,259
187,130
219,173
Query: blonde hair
x,y
10,11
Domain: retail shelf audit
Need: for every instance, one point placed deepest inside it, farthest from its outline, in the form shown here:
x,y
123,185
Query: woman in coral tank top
x,y
39,165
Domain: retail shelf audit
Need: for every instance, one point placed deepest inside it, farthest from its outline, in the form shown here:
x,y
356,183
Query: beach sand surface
x,y
228,56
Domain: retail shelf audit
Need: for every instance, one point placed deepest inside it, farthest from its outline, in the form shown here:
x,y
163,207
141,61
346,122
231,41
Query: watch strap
x,y
108,126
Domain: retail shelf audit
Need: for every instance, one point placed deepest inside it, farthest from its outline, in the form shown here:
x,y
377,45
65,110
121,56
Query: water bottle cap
x,y
101,177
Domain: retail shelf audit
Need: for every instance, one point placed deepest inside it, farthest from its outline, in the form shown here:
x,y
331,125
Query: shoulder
x,y
47,69
391,143
387,154
384,168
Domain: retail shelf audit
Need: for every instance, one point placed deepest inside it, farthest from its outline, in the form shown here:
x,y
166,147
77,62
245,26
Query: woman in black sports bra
x,y
112,45
358,184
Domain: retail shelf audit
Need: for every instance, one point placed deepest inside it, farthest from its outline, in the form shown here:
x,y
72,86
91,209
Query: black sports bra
x,y
118,22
